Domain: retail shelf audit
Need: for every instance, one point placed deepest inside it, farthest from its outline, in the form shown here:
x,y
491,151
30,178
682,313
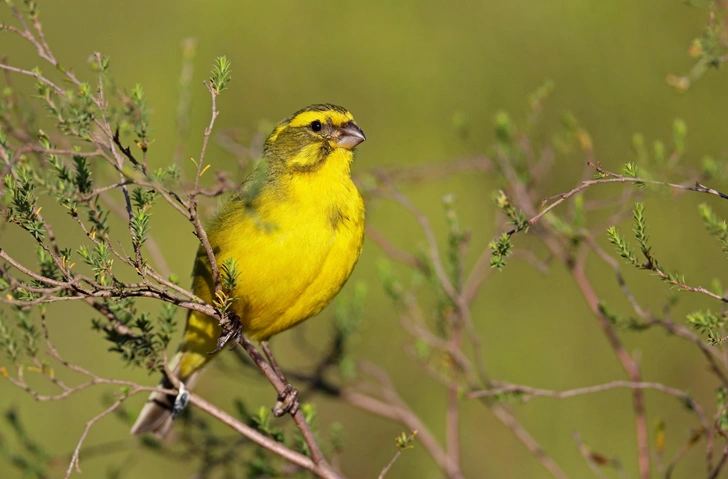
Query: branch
x,y
556,200
588,456
89,424
403,415
321,469
576,267
389,465
281,387
192,199
529,393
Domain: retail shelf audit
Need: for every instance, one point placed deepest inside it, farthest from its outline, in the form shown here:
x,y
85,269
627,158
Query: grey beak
x,y
350,135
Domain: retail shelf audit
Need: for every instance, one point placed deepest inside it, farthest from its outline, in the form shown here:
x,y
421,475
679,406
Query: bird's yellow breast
x,y
295,232
294,251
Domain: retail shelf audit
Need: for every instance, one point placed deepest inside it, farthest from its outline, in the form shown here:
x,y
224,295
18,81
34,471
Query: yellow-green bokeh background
x,y
404,70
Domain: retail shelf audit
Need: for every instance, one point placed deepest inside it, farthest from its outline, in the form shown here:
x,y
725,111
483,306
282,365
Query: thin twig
x,y
192,199
576,267
587,455
280,388
390,464
694,438
556,200
75,458
401,414
527,393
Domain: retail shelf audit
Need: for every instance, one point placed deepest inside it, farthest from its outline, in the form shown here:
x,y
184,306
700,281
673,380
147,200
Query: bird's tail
x,y
200,338
156,415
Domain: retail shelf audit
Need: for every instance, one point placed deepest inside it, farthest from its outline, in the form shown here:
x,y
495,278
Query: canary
x,y
294,230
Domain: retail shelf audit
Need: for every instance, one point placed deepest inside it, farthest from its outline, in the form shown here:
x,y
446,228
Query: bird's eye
x,y
316,125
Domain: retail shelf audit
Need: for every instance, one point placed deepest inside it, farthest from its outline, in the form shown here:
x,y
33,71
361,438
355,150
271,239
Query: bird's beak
x,y
350,135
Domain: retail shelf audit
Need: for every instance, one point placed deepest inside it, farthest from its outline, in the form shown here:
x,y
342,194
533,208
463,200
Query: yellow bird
x,y
295,231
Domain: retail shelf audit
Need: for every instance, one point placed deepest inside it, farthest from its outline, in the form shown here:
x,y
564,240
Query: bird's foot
x,y
232,332
288,399
183,397
287,402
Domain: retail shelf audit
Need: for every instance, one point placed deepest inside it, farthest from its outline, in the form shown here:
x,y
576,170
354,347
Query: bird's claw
x,y
287,402
235,333
183,397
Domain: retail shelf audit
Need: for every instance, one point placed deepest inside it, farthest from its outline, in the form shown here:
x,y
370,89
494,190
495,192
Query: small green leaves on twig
x,y
100,63
405,441
220,75
518,217
268,464
82,179
539,97
140,115
135,336
707,322
456,241
23,209
100,261
709,50
630,171
143,199
167,324
139,224
721,396
710,168
262,421
392,285
504,128
501,249
679,132
509,397
22,451
230,273
222,300
640,230
347,321
625,251
8,342
48,266
618,320
715,226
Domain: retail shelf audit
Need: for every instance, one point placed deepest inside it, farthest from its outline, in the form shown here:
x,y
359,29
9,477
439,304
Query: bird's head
x,y
304,140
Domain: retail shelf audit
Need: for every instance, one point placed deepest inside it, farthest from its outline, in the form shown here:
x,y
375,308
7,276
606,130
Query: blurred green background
x,y
405,69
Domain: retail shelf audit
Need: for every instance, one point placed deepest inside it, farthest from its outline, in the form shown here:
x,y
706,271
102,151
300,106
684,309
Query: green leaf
x,y
679,132
82,180
622,246
721,396
220,74
716,226
504,128
640,230
705,321
405,441
230,273
500,250
140,227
